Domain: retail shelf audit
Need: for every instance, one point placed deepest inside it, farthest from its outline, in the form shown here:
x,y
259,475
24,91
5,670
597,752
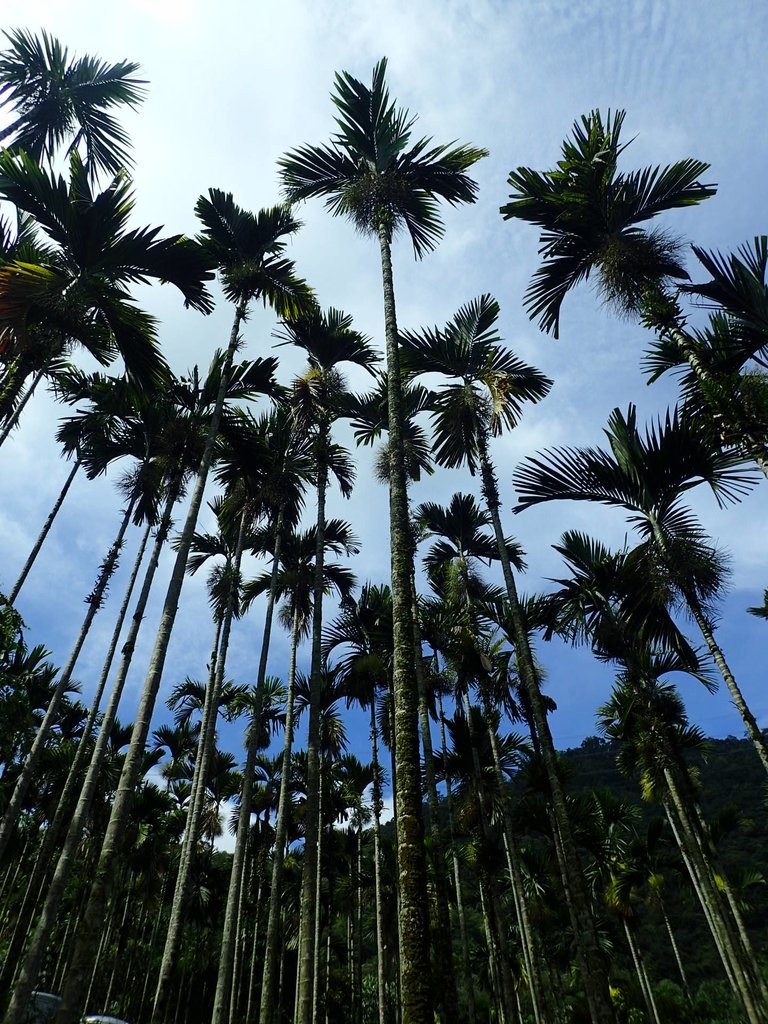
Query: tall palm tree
x,y
373,173
364,628
487,389
648,476
170,433
593,218
56,99
320,398
249,251
78,291
726,359
295,583
647,715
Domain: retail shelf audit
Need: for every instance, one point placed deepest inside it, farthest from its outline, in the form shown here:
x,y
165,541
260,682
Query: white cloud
x,y
232,86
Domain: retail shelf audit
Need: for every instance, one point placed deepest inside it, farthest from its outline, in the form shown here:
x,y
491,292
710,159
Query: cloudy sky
x,y
232,86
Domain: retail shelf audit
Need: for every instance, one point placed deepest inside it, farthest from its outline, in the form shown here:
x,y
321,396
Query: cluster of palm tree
x,y
498,892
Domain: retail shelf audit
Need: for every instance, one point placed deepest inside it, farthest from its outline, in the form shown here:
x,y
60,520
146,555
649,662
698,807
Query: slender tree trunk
x,y
415,973
593,967
206,745
94,600
742,970
318,888
380,980
357,936
642,976
710,913
327,974
269,974
527,937
469,993
309,870
446,995
44,532
753,730
498,989
13,419
224,978
27,911
28,976
495,913
127,905
254,950
676,952
72,994
237,958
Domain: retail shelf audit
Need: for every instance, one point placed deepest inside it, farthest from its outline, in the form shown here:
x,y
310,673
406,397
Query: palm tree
x,y
647,715
489,385
265,468
167,433
249,252
648,476
592,218
78,290
56,99
589,215
295,582
364,627
374,174
319,398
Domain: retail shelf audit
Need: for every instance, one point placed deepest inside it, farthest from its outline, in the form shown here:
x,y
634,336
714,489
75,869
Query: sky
x,y
232,86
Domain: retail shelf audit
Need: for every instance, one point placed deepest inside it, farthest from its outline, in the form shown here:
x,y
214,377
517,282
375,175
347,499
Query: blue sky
x,y
233,86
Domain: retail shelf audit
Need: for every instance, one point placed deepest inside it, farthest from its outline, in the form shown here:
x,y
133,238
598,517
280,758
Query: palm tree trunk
x,y
13,419
94,601
499,990
445,982
527,938
309,870
327,975
64,808
415,973
318,888
238,952
224,978
254,950
710,913
269,974
28,976
495,913
593,967
127,905
44,532
206,744
742,968
469,993
642,975
381,990
72,994
712,858
356,934
753,730
676,952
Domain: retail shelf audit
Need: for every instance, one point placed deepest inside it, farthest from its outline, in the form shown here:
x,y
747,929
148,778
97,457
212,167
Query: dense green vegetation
x,y
618,883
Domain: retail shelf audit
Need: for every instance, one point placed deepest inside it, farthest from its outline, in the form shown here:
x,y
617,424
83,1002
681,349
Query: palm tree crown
x,y
490,382
589,213
373,174
56,98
